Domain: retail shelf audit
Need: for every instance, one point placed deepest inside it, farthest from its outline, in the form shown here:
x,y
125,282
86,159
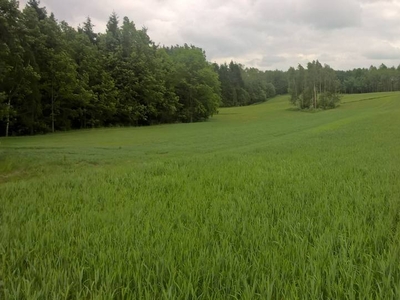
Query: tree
x,y
11,58
88,30
279,80
16,71
233,88
196,84
40,11
258,89
314,87
112,38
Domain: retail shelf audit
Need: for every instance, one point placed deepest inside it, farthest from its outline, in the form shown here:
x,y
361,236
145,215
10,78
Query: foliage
x,y
372,79
314,87
195,82
54,77
244,86
258,89
279,81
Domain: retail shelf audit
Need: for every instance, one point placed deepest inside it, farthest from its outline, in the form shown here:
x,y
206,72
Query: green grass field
x,y
260,202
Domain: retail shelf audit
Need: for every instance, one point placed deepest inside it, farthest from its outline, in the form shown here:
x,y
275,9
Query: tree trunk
x,y
8,115
191,106
52,106
315,97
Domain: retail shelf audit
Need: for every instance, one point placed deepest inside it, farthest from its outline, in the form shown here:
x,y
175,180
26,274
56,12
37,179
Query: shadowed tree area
x,y
54,77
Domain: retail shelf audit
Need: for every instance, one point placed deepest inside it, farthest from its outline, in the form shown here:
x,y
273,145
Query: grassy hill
x,y
260,202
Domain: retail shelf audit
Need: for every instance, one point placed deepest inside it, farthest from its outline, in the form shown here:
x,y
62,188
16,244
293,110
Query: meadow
x,y
260,202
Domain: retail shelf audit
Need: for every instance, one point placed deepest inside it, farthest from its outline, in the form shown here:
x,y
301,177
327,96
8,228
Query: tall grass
x,y
260,203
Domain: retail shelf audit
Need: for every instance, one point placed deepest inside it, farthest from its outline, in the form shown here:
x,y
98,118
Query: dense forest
x,y
54,77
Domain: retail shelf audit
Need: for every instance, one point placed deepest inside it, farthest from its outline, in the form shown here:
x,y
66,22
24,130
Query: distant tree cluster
x,y
382,79
54,77
243,86
314,87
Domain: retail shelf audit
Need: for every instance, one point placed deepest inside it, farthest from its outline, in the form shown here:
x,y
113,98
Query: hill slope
x,y
259,202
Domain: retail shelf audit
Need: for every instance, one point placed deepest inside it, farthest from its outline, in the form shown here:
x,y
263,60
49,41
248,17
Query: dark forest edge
x,y
54,77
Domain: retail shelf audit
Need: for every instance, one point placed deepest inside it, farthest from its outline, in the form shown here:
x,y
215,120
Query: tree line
x,y
244,86
54,77
368,80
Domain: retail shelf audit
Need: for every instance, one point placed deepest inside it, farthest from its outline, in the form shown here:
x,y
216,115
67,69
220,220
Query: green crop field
x,y
260,202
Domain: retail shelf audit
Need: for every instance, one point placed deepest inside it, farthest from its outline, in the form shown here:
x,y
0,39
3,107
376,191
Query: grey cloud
x,y
376,1
75,12
330,14
268,34
383,52
267,61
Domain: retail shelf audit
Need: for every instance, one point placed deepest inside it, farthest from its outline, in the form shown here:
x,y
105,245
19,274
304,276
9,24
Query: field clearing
x,y
260,202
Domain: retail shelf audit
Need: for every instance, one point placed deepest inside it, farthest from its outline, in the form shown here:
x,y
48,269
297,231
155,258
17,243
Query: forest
x,y
54,77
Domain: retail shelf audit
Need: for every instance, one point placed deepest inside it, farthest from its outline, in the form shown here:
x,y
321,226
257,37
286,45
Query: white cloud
x,y
268,34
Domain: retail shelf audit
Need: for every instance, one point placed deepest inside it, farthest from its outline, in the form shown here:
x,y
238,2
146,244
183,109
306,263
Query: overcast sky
x,y
268,34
